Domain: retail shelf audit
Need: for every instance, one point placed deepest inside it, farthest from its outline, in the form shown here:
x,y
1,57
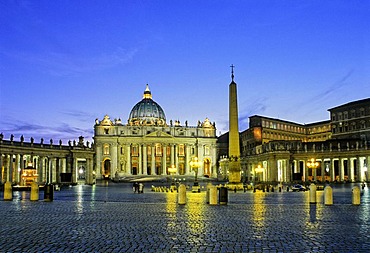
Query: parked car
x,y
298,188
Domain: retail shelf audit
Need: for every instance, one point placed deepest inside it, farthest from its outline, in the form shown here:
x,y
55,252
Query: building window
x,y
106,149
362,112
106,130
181,150
135,151
158,150
333,117
206,150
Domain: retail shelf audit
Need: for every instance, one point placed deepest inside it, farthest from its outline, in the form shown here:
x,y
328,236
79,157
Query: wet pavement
x,y
109,217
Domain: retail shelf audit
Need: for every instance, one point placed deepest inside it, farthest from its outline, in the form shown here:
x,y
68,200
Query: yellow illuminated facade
x,y
148,146
275,150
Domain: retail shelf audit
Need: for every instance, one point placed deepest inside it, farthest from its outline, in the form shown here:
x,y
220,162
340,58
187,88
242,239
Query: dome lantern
x,y
147,112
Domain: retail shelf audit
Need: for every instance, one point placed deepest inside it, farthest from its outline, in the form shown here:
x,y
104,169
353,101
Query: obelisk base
x,y
234,176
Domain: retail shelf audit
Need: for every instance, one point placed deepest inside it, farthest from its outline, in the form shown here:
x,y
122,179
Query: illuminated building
x,y
275,150
148,146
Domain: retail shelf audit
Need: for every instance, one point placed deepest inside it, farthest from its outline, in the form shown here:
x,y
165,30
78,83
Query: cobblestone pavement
x,y
114,219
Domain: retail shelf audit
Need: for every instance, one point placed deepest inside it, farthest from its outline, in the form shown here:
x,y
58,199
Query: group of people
x,y
138,187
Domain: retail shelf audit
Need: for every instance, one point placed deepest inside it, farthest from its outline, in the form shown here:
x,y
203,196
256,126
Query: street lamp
x,y
312,164
172,170
195,164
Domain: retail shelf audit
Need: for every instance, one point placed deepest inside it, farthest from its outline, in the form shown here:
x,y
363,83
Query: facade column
x,y
164,160
114,160
140,167
153,160
172,154
128,164
187,159
305,171
177,157
145,159
214,162
1,168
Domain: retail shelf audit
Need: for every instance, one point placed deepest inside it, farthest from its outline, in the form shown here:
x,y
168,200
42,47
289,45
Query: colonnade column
x,y
322,170
19,165
341,169
358,169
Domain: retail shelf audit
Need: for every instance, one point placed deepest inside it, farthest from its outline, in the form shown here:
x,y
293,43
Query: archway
x,y
207,167
106,168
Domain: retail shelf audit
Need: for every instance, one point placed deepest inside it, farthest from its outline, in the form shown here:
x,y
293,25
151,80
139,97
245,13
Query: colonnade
x,y
288,168
22,163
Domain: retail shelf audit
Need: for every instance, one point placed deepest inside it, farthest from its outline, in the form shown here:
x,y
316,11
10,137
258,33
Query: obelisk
x,y
234,145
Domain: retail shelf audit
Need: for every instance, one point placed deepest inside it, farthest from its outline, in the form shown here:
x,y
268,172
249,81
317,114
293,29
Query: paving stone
x,y
113,219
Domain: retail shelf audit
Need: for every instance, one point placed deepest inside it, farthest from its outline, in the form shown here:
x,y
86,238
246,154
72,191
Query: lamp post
x,y
195,164
312,164
172,170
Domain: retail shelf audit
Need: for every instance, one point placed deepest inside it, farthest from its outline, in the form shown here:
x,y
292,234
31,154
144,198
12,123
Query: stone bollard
x,y
209,185
328,195
8,191
356,200
313,193
223,195
48,192
34,196
213,196
182,195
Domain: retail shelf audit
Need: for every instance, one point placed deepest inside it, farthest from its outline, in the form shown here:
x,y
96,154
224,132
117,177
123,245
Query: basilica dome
x,y
147,112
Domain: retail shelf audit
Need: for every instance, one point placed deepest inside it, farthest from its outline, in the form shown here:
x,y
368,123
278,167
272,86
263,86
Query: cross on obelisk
x,y
232,72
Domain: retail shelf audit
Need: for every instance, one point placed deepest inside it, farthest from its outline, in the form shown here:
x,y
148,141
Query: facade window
x,y
345,115
333,117
106,130
206,150
362,112
149,150
135,151
181,150
106,149
158,150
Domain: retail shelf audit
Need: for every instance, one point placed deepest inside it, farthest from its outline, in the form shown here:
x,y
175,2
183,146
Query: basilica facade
x,y
148,145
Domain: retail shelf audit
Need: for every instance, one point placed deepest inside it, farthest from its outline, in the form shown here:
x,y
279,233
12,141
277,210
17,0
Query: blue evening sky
x,y
65,63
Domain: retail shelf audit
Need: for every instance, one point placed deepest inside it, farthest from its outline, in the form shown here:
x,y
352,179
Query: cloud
x,y
79,115
62,131
62,64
